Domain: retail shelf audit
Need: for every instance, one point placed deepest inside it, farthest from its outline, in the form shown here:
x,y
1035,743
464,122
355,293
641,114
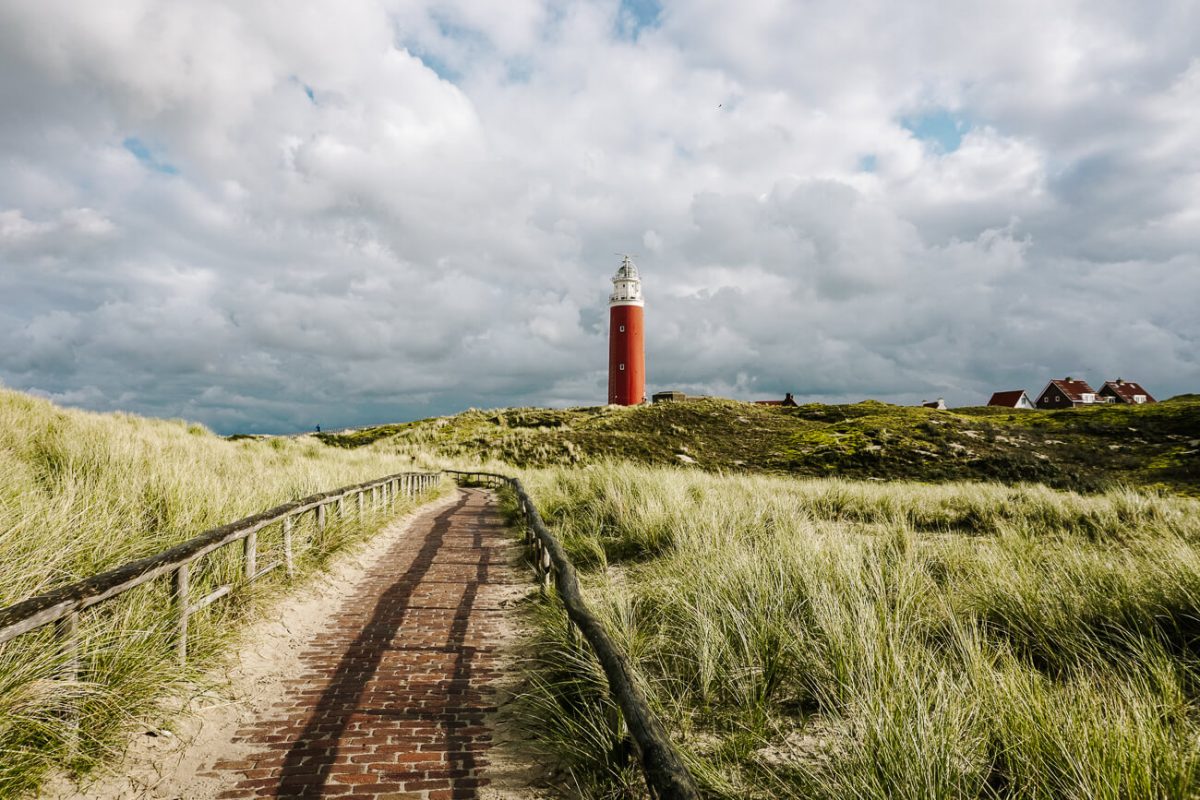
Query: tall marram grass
x,y
81,493
835,639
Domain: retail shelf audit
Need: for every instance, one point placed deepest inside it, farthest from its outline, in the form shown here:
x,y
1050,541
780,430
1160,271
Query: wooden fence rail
x,y
63,606
666,775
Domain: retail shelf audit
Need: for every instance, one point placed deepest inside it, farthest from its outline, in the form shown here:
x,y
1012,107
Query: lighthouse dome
x,y
627,285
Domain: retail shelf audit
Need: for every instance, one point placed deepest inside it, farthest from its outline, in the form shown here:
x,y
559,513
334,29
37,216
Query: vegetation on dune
x,y
832,638
1083,449
805,635
81,493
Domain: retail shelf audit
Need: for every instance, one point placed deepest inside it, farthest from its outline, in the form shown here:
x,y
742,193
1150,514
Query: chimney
x,y
1067,378
788,396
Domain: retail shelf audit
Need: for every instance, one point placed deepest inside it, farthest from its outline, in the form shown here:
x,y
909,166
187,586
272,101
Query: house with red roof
x,y
1125,392
1013,399
1068,393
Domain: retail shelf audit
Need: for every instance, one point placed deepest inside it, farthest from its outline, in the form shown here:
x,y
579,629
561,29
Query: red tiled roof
x,y
1007,399
1074,390
1126,390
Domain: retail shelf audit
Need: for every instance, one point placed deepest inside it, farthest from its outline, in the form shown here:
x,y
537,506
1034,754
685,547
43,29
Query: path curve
x,y
398,691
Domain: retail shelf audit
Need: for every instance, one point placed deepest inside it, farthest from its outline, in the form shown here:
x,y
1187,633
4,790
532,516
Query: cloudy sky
x,y
265,216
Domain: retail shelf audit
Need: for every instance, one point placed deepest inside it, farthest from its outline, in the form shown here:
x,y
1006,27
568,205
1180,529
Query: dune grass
x,y
81,493
837,639
1083,449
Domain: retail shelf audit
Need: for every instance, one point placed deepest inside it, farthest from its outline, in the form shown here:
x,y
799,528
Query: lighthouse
x,y
626,346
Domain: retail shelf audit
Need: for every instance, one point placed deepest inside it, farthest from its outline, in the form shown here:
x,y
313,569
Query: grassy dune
x,y
1083,449
838,639
81,493
805,637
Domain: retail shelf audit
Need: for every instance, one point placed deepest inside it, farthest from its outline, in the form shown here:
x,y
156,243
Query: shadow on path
x,y
307,766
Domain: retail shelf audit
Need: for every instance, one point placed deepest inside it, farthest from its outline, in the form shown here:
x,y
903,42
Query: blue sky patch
x,y
940,129
867,163
439,67
635,15
142,153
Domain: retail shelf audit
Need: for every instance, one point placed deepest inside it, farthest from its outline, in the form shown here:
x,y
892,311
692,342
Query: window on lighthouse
x,y
622,368
622,329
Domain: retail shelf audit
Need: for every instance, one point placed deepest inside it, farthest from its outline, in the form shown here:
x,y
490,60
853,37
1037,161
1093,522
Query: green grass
x,y
804,635
81,493
841,639
1087,449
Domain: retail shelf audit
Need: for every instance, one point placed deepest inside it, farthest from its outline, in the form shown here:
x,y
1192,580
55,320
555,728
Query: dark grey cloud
x,y
269,217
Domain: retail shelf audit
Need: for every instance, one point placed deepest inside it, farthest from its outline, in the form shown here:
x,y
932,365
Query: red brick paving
x,y
397,694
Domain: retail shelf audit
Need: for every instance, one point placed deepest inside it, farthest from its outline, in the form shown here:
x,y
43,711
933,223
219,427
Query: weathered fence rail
x,y
666,775
63,606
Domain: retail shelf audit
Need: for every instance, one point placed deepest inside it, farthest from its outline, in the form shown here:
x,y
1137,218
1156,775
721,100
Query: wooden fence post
x,y
67,631
320,516
250,554
341,506
287,546
359,497
180,597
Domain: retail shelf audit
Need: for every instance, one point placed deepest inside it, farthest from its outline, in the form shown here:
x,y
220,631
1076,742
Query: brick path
x,y
397,694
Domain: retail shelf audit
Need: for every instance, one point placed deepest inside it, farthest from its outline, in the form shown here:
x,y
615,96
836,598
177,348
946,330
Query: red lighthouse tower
x,y
626,345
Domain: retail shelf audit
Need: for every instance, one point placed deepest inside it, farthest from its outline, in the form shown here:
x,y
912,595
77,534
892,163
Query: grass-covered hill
x,y
1088,448
822,639
81,493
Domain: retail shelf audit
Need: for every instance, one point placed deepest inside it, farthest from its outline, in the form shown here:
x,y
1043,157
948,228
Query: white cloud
x,y
269,215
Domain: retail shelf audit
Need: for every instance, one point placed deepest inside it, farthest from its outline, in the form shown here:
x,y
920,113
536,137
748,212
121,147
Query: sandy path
x,y
294,678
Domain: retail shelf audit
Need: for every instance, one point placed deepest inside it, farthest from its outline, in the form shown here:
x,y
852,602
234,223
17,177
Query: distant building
x,y
939,404
1125,392
668,397
1014,399
1068,393
787,400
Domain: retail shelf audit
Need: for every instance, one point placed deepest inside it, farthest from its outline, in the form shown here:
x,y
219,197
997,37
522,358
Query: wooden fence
x,y
666,776
63,606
